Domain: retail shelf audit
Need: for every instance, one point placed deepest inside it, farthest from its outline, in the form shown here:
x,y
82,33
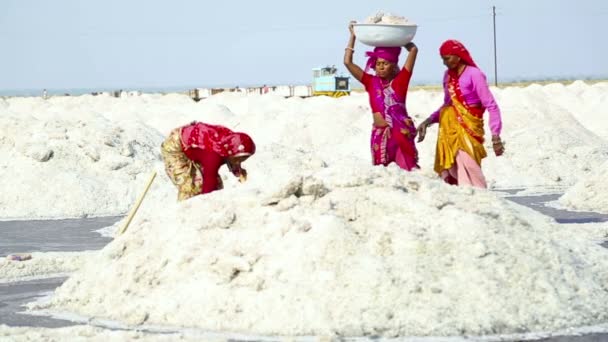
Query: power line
x,y
495,56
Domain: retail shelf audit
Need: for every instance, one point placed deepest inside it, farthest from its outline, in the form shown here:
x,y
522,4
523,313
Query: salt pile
x,y
339,251
61,159
91,155
387,19
588,194
547,146
317,241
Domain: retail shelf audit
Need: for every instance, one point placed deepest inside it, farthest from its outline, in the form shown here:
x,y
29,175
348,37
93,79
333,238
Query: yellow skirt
x,y
453,137
183,172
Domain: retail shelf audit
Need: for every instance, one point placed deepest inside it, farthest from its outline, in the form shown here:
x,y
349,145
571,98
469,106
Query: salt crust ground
x,y
91,334
42,265
88,334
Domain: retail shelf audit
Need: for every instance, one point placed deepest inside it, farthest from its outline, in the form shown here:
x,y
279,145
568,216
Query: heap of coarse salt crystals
x,y
387,18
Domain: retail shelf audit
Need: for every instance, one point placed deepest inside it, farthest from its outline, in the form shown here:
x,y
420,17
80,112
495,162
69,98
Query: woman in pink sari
x,y
194,153
393,131
461,127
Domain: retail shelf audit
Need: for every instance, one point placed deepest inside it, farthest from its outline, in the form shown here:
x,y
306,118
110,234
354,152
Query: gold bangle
x,y
349,48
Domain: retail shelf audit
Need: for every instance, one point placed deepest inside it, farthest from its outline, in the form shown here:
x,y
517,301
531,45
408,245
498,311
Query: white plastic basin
x,y
385,34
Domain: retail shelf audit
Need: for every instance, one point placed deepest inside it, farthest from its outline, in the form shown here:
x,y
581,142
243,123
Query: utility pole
x,y
495,64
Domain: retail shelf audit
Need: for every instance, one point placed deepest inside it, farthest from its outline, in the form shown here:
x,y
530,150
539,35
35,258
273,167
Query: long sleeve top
x,y
475,91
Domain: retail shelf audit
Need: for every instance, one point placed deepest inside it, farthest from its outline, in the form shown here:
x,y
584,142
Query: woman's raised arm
x,y
353,68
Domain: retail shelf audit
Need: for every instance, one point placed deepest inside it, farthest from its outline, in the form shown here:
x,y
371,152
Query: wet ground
x,y
79,235
43,236
53,235
14,295
586,338
538,202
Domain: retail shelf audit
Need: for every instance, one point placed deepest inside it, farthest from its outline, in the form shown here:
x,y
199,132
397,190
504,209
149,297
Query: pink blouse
x,y
475,91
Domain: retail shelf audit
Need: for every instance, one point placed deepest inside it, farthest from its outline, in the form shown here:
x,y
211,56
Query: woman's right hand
x,y
351,27
242,175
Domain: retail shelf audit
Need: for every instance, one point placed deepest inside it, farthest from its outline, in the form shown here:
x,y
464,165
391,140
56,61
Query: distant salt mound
x,y
66,161
344,251
91,155
565,150
582,100
387,19
589,194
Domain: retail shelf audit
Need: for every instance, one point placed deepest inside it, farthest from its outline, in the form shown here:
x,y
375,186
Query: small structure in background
x,y
45,95
194,94
326,81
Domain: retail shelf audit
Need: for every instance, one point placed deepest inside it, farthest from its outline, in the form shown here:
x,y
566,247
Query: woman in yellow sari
x,y
461,127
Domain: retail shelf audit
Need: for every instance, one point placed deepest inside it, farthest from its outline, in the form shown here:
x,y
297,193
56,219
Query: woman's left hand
x,y
421,130
498,145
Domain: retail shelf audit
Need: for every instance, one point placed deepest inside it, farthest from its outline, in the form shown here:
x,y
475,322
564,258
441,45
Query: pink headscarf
x,y
456,48
389,53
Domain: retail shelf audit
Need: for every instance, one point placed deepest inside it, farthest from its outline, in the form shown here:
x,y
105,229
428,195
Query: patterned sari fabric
x,y
395,142
187,174
183,172
460,128
218,139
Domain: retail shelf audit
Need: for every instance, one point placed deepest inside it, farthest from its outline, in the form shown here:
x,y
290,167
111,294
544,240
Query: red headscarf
x,y
390,54
454,47
218,138
238,144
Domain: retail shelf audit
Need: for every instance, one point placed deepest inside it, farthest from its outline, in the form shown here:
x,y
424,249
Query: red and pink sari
x,y
191,149
394,142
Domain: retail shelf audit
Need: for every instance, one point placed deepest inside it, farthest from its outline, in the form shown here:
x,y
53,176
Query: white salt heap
x,y
344,251
387,19
589,193
86,155
546,144
61,158
318,241
91,155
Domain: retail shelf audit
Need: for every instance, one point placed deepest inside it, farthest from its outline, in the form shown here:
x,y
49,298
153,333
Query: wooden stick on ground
x,y
137,204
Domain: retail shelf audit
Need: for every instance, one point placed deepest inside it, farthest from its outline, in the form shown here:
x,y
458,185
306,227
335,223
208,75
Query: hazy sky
x,y
198,43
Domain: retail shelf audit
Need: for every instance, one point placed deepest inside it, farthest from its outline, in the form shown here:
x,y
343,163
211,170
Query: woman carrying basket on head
x,y
393,131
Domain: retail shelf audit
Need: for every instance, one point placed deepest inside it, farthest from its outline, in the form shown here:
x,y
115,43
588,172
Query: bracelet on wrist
x,y
349,48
